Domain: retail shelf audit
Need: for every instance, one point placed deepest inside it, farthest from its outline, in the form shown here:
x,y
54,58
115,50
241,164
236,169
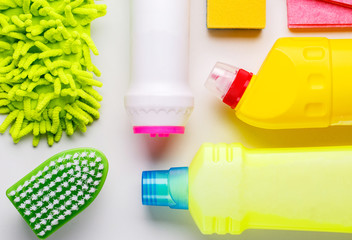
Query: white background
x,y
117,213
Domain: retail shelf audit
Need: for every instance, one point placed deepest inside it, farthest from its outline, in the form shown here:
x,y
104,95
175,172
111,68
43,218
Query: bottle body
x,y
159,95
232,189
303,83
228,189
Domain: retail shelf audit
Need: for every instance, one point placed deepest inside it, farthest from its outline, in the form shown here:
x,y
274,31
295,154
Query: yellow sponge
x,y
232,14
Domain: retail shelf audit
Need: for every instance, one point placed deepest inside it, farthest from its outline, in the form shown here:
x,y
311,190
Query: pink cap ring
x,y
161,131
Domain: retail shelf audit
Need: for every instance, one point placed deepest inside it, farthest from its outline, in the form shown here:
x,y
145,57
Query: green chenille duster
x,y
46,72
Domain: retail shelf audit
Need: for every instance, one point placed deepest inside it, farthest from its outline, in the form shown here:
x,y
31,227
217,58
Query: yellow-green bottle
x,y
229,189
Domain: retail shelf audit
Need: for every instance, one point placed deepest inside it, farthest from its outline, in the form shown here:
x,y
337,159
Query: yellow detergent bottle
x,y
229,189
303,83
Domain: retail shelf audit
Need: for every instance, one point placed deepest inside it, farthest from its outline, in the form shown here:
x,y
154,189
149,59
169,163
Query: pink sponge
x,y
318,14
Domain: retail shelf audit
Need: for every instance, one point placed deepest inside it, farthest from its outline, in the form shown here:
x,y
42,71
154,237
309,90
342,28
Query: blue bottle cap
x,y
166,188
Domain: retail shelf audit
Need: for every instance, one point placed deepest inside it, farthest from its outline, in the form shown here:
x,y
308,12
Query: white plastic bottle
x,y
159,100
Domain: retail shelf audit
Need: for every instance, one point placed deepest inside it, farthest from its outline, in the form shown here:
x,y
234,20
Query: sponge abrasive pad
x,y
236,14
317,14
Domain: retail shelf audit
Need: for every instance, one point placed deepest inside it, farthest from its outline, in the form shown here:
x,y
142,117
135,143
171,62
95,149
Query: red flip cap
x,y
238,87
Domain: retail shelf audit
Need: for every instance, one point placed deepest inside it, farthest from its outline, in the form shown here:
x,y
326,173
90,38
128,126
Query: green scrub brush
x,y
59,189
46,72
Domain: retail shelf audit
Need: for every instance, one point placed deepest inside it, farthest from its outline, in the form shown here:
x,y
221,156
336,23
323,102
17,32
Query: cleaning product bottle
x,y
159,100
229,189
303,83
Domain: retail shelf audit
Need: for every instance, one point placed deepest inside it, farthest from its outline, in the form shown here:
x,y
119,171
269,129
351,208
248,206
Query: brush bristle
x,y
59,189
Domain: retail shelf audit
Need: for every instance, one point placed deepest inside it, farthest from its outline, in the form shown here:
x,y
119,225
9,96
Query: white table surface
x,y
117,213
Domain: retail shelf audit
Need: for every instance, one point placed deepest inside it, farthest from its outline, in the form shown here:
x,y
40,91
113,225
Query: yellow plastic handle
x,y
303,83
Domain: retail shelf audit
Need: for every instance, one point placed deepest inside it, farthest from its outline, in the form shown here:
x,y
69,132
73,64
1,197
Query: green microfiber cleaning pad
x,y
46,72
59,189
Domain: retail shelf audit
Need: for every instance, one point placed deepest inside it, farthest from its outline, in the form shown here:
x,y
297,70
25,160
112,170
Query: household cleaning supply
x,y
318,14
303,83
236,14
59,189
159,100
46,72
229,189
